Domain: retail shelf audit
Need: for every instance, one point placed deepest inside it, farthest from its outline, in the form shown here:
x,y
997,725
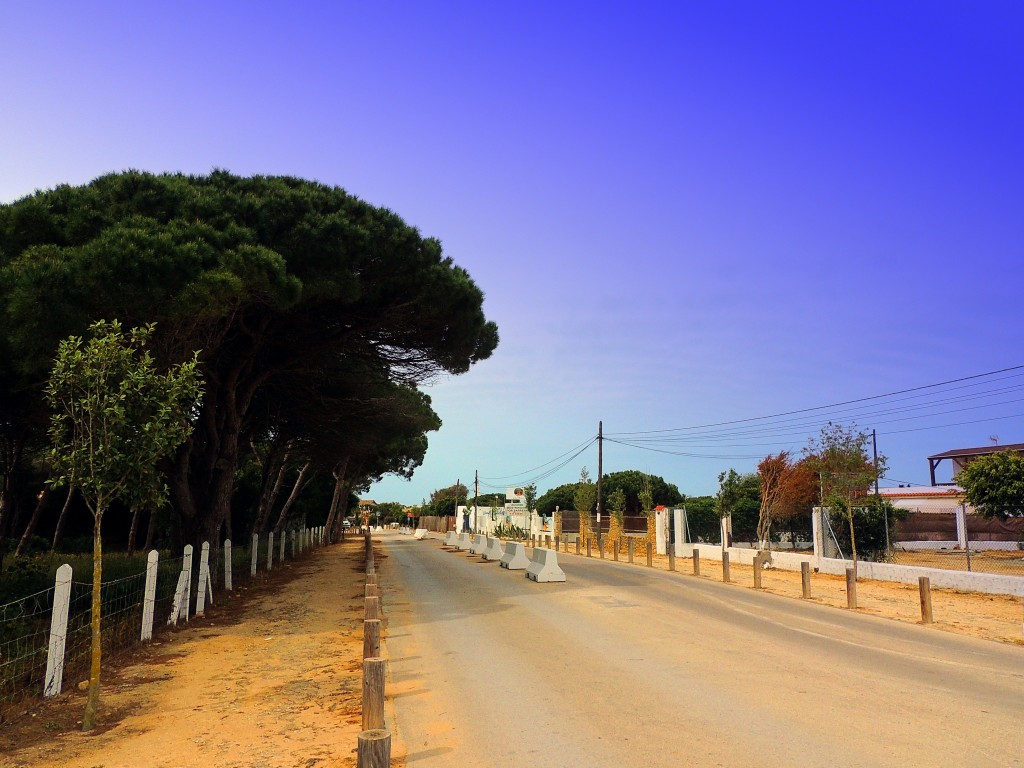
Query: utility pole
x,y
600,469
476,494
885,511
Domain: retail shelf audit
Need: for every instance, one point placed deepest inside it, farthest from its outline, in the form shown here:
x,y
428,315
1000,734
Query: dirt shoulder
x,y
270,677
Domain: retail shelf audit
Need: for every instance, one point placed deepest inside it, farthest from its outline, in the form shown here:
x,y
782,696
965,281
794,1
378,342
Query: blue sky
x,y
680,214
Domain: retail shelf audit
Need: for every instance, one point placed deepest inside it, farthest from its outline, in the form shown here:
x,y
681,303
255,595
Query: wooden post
x,y
373,749
371,591
588,546
805,579
372,608
725,566
924,584
270,551
227,565
556,543
371,638
851,588
600,547
284,538
696,562
650,555
373,693
577,543
255,554
371,578
149,601
629,548
671,556
615,550
58,631
757,571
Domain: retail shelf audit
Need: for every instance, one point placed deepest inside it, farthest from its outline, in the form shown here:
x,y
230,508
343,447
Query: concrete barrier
x,y
479,544
421,533
464,543
515,558
544,566
451,539
494,549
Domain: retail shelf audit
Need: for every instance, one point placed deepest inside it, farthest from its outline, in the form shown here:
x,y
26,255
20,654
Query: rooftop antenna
x,y
994,439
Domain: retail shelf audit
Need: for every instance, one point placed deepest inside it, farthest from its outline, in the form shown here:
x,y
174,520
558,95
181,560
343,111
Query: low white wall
x,y
968,581
976,546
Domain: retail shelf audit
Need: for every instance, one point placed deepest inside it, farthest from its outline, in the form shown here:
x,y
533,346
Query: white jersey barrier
x,y
544,566
451,539
464,543
479,544
421,533
515,558
494,549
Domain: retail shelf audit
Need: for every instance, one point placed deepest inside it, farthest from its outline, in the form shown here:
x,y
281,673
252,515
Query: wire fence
x,y
951,539
25,623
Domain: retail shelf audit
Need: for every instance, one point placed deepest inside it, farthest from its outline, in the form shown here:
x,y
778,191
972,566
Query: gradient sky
x,y
680,213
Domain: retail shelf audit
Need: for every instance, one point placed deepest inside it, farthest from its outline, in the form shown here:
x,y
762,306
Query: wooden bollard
x,y
757,571
600,547
650,555
556,543
696,562
373,693
851,588
671,557
371,591
805,579
577,544
629,547
615,550
372,607
371,638
373,749
589,540
725,566
924,584
371,578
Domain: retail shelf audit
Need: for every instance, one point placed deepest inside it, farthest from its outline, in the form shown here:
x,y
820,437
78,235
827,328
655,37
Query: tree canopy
x,y
995,484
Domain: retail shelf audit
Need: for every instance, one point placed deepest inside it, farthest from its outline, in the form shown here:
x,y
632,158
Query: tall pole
x,y
885,511
476,494
600,471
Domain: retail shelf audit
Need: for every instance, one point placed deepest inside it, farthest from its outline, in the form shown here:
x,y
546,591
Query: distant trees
x,y
994,484
788,488
584,498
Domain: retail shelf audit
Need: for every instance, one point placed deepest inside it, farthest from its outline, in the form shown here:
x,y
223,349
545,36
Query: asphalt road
x,y
623,666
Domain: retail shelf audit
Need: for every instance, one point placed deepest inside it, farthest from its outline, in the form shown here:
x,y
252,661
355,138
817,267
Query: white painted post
x,y
227,565
149,601
679,529
726,531
818,535
961,527
270,551
284,538
186,568
255,554
58,631
204,577
179,599
660,531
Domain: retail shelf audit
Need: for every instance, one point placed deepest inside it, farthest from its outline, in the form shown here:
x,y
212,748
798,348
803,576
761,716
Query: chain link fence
x,y
951,539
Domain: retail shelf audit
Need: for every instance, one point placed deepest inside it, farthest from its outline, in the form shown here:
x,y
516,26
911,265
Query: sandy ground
x,y
270,677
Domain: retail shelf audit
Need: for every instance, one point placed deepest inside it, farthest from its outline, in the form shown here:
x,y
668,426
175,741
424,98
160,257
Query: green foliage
x,y
510,531
585,493
617,505
530,496
869,518
703,519
994,484
632,482
561,496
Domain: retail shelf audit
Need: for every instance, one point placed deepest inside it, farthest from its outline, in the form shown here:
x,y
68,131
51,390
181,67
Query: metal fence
x,y
953,540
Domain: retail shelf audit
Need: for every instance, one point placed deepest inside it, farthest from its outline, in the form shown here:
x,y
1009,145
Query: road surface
x,y
624,666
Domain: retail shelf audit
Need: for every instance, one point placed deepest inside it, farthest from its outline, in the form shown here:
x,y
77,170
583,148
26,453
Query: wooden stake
x,y
805,579
373,749
725,566
757,571
851,588
696,562
372,608
924,584
588,546
671,556
373,693
371,638
650,555
629,546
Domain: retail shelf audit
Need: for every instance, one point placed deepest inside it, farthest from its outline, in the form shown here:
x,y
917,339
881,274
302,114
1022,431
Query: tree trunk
x,y
853,540
273,478
58,533
133,530
150,530
305,475
339,485
93,701
42,502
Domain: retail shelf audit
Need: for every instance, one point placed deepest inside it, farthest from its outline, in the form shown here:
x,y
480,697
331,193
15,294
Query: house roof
x,y
984,450
922,492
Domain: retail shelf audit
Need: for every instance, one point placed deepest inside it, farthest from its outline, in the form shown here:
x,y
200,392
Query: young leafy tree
x,y
584,499
647,507
617,507
114,417
995,484
839,455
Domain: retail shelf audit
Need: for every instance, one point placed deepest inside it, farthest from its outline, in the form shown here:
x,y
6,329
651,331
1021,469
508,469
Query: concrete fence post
x,y
255,554
805,580
851,588
179,599
186,568
58,631
149,597
227,565
270,551
295,535
204,576
679,527
924,585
